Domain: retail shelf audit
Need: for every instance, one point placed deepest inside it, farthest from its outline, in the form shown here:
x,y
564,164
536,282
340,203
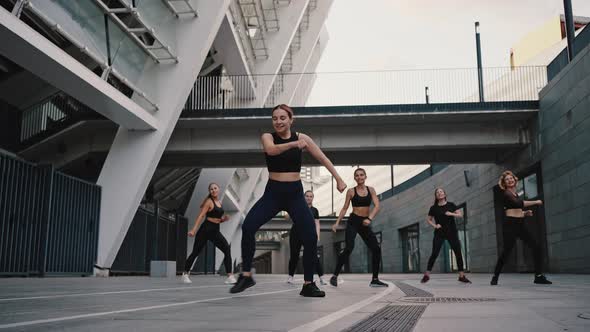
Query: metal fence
x,y
368,88
50,115
48,221
152,236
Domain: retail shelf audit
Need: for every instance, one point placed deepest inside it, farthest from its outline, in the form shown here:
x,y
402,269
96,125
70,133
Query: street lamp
x,y
479,69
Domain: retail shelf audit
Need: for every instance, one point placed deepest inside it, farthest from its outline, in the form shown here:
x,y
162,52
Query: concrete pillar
x,y
134,155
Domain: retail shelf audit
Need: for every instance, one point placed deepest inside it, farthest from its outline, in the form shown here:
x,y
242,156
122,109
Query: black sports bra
x,y
361,200
286,162
512,201
217,211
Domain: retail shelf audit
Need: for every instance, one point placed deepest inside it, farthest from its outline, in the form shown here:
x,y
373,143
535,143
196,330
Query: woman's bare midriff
x,y
214,220
515,213
361,211
284,177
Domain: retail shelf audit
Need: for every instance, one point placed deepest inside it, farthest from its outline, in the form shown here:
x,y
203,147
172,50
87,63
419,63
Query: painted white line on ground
x,y
321,322
120,292
105,313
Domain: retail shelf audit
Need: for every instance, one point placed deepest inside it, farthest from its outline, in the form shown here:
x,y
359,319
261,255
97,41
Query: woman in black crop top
x,y
284,192
514,227
209,218
441,217
359,222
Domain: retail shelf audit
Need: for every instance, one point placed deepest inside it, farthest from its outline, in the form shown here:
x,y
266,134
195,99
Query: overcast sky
x,y
377,35
410,34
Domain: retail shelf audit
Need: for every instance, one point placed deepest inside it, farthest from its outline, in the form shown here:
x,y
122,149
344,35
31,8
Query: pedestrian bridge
x,y
386,117
379,134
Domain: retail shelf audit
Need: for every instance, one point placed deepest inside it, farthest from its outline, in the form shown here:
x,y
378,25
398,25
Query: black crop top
x,y
217,211
288,161
511,201
361,200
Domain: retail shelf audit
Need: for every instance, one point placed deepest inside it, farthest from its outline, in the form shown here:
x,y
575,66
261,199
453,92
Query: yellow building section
x,y
536,42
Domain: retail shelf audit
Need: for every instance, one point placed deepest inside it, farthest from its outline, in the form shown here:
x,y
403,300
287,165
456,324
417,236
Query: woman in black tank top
x,y
359,222
513,227
284,192
209,218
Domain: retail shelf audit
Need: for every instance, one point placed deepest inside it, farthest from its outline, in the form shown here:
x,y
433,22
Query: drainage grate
x,y
411,290
398,318
446,299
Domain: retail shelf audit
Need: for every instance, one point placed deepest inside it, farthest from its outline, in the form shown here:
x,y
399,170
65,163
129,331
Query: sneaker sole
x,y
324,295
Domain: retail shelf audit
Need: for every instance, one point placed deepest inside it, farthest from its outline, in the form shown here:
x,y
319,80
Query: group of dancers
x,y
284,192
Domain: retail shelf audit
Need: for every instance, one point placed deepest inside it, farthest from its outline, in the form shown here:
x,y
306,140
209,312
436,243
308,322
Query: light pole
x,y
479,69
569,28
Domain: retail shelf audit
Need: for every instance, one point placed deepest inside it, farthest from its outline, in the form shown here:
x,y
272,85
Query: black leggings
x,y
210,231
512,229
354,226
439,238
281,196
295,244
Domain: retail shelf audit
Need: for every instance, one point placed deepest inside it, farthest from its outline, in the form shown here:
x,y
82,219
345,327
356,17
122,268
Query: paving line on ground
x,y
145,290
114,312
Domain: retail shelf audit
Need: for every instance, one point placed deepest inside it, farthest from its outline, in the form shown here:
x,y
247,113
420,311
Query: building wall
x,y
536,41
562,146
565,149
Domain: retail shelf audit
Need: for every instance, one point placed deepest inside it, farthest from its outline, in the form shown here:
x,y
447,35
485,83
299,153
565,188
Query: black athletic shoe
x,y
243,283
464,279
334,281
425,279
311,290
540,279
377,283
494,281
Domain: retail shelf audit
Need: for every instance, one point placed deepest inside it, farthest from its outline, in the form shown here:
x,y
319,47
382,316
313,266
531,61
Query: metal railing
x,y
51,113
370,88
109,62
48,221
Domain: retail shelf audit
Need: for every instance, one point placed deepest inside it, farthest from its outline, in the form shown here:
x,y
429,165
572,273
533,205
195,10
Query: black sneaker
x,y
540,279
334,281
494,281
242,283
311,290
377,283
464,280
425,279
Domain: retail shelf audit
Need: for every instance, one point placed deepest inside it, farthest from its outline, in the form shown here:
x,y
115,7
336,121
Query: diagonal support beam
x,y
30,50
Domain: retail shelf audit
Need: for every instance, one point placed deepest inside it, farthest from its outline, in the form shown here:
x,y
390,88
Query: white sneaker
x,y
231,280
185,279
290,280
322,281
